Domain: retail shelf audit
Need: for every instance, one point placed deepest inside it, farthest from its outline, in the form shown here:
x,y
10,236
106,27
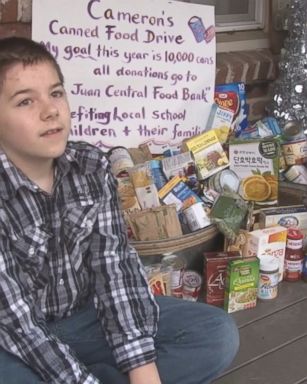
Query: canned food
x,y
177,265
191,285
295,152
197,216
225,180
297,174
120,160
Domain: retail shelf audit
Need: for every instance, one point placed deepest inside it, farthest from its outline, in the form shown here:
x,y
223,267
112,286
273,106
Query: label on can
x,y
268,285
177,265
268,278
120,160
191,285
196,216
295,152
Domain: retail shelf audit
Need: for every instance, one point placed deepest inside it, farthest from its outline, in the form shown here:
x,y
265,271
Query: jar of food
x,y
294,255
268,277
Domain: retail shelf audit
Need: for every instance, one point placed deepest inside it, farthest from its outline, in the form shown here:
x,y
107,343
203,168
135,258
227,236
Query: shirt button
x,y
35,187
89,223
19,331
31,251
61,281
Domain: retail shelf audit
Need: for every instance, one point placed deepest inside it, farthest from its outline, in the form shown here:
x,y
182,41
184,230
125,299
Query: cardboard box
x,y
241,285
208,154
256,163
294,216
215,266
268,242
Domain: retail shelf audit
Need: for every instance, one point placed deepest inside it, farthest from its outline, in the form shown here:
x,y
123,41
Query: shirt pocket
x,y
78,222
30,248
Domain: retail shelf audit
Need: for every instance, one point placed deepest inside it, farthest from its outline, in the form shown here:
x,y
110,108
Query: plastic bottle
x,y
268,278
294,256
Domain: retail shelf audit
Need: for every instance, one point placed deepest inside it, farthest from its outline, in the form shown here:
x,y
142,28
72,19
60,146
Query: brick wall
x,y
256,68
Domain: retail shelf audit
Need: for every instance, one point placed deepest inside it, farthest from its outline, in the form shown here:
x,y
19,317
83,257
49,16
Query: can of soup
x,y
176,266
191,285
120,160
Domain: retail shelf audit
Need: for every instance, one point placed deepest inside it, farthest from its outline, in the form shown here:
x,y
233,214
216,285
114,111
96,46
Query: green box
x,y
241,284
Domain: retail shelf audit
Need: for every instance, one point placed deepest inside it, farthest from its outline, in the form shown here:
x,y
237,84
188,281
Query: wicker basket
x,y
209,238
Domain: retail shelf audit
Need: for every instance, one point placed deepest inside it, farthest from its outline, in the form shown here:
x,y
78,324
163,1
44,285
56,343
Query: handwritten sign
x,y
135,71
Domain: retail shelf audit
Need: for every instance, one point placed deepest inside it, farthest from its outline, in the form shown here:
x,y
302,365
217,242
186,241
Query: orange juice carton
x,y
268,242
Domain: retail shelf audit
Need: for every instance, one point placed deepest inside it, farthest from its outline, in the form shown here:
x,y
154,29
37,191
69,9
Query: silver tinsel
x,y
289,103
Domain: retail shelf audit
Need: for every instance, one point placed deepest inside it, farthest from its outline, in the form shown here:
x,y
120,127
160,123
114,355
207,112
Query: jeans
x,y
195,342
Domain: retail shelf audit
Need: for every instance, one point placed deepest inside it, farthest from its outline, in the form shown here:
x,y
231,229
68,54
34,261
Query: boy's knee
x,y
227,334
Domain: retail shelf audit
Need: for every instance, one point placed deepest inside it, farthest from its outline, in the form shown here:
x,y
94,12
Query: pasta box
x,y
241,284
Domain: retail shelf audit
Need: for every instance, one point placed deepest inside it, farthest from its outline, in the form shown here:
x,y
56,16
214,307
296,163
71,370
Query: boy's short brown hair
x,y
14,50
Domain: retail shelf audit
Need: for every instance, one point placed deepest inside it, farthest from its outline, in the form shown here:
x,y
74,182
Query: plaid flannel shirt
x,y
59,249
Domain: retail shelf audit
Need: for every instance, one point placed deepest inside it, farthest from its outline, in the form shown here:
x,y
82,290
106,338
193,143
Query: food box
x,y
241,284
215,265
208,154
232,96
268,242
294,216
175,191
256,163
220,119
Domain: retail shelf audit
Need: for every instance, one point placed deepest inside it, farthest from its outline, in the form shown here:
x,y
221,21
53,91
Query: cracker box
x,y
241,284
215,265
268,242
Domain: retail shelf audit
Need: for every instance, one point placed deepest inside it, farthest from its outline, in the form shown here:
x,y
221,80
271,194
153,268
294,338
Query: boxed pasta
x,y
241,284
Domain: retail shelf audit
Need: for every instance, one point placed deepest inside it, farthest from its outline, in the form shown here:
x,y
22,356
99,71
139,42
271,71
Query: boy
x,y
75,306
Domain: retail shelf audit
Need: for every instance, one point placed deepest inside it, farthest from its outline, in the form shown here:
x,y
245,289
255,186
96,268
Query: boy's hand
x,y
146,374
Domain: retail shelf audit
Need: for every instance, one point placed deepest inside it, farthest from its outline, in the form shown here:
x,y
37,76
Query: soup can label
x,y
177,265
191,285
196,216
120,160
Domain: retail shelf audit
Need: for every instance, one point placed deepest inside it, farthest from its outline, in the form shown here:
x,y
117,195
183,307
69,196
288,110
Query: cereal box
x,y
268,242
215,265
256,163
241,284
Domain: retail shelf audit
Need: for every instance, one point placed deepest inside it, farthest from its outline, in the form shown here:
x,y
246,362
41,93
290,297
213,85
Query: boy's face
x,y
34,114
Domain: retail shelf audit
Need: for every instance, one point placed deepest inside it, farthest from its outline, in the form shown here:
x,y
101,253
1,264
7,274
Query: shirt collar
x,y
11,178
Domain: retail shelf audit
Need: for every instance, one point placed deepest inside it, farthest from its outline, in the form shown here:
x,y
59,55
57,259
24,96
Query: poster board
x,y
135,71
